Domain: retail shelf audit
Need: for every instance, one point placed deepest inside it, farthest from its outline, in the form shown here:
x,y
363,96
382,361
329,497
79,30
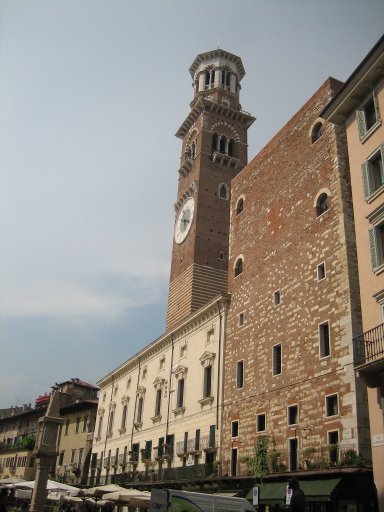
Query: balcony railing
x,y
308,459
369,346
196,471
207,443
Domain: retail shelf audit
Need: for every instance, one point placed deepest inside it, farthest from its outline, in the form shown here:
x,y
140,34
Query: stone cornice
x,y
207,105
190,324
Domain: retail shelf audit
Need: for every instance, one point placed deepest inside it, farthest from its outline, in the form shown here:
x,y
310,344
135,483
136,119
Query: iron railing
x,y
369,346
323,457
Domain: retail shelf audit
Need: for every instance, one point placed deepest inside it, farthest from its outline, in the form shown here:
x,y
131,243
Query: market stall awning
x,y
272,493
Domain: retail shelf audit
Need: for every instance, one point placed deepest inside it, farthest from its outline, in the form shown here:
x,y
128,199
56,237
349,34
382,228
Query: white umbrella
x,y
51,486
11,480
101,489
131,497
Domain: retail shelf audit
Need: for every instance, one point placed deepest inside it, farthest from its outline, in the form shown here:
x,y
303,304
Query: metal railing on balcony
x,y
193,445
181,447
207,443
308,459
369,346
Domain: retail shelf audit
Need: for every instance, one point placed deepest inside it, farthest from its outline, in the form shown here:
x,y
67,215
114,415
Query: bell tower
x,y
214,150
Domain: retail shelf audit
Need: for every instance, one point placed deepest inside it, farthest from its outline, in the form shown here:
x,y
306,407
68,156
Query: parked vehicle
x,y
169,500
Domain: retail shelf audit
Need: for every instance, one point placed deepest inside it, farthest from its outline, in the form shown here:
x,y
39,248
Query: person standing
x,y
297,503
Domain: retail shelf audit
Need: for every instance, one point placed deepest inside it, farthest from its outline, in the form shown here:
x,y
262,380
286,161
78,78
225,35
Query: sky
x,y
91,95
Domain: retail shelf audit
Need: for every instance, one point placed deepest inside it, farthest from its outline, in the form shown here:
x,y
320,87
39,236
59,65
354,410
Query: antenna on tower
x,y
218,42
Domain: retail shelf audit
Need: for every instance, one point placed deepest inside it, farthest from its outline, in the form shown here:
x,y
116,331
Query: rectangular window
x,y
239,374
212,433
73,452
100,427
207,388
85,423
124,416
140,405
158,402
233,461
234,428
293,454
110,422
197,439
241,319
321,271
333,446
66,427
61,458
324,339
373,173
293,415
276,298
276,359
148,450
331,405
367,116
261,422
77,428
376,241
80,459
180,393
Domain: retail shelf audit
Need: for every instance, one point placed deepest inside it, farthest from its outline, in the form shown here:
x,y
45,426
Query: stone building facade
x,y
159,412
294,301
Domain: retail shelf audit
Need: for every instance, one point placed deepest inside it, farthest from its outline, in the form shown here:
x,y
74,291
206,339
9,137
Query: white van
x,y
169,500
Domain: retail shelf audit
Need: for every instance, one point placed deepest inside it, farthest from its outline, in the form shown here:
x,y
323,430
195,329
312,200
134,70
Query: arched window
x,y
317,132
223,191
239,267
222,144
230,147
209,79
215,139
322,204
193,150
240,206
225,79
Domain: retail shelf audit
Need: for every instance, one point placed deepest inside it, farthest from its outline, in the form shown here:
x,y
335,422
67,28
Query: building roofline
x,y
223,297
218,53
350,94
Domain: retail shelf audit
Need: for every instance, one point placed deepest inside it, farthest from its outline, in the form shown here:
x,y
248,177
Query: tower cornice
x,y
204,104
217,54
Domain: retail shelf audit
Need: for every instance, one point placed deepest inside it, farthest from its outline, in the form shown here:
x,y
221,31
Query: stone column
x,y
46,450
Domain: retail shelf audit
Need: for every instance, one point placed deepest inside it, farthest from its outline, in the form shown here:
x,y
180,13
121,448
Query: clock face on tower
x,y
184,220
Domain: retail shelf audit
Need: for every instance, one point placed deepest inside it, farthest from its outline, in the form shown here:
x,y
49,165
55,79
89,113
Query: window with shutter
x,y
373,173
367,116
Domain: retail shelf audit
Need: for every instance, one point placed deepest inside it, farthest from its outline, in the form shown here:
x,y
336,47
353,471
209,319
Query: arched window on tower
x,y
225,79
239,267
230,147
222,144
223,191
322,204
193,150
209,79
215,140
240,206
317,132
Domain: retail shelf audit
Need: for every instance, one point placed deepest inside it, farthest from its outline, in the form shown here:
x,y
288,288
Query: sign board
x,y
378,440
288,495
255,496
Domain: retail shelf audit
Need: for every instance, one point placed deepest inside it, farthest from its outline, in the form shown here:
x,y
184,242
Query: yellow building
x,y
359,106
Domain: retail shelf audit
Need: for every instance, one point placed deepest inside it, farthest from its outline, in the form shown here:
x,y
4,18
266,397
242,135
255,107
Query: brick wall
x,y
282,241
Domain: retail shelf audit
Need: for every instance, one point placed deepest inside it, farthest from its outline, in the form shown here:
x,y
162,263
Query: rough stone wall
x,y
282,240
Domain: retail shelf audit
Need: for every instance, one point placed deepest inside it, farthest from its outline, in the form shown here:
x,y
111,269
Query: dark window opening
x,y
260,422
276,363
322,204
293,415
240,206
239,267
234,428
324,340
332,406
317,132
239,374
